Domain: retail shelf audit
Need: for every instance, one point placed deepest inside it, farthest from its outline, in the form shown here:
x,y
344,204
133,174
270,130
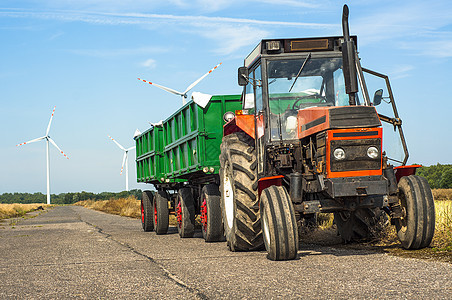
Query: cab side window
x,y
258,88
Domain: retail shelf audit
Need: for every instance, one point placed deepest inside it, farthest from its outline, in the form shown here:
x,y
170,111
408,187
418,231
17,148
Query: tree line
x,y
439,176
65,198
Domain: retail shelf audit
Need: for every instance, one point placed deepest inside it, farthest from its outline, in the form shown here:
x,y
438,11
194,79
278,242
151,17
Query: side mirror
x,y
243,76
377,97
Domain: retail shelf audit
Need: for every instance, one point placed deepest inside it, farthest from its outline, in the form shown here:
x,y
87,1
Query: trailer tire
x,y
211,218
185,213
238,187
417,226
279,225
363,224
147,214
161,213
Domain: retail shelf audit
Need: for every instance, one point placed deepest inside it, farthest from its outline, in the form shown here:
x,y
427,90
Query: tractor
x,y
309,140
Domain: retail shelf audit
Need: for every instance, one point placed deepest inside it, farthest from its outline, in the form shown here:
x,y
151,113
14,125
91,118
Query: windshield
x,y
295,84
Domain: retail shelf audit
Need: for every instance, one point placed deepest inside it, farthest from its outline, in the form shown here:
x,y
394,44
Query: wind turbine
x,y
182,94
125,160
48,139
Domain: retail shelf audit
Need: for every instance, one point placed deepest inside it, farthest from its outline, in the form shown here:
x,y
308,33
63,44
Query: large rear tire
x,y
238,187
363,224
279,224
211,219
185,213
147,214
416,227
161,212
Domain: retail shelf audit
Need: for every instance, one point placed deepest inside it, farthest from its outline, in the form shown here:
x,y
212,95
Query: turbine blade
x,y
130,148
56,146
201,78
32,141
119,145
164,88
50,122
123,161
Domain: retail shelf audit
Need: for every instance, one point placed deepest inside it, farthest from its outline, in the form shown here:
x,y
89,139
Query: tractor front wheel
x,y
416,227
279,224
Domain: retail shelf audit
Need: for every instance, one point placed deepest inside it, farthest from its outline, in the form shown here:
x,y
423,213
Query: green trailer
x,y
180,157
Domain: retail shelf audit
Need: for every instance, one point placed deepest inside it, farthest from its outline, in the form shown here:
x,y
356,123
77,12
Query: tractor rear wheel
x,y
362,224
161,212
279,224
185,213
211,219
416,227
147,213
238,186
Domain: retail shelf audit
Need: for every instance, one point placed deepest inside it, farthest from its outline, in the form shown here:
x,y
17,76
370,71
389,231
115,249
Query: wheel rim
x,y
266,231
155,212
204,214
142,212
179,214
228,198
403,219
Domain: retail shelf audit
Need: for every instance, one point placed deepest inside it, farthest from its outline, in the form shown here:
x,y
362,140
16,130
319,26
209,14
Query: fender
x,y
266,182
403,171
245,123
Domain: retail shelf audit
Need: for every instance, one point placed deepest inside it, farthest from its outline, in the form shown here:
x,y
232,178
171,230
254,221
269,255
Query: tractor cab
x,y
283,76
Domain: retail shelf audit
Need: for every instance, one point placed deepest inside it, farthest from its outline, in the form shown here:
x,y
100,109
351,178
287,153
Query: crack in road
x,y
166,272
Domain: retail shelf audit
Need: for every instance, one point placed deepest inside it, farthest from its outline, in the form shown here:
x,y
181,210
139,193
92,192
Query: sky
x,y
84,57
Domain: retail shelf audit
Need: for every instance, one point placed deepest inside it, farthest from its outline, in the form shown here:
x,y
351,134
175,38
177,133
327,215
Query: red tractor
x,y
309,139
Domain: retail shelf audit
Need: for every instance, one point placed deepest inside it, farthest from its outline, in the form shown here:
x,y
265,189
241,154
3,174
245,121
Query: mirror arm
x,y
362,81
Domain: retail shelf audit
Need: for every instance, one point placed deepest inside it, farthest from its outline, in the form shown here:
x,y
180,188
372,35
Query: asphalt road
x,y
73,252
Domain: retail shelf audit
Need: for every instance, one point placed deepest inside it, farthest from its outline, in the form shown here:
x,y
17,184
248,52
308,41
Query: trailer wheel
x,y
416,227
279,224
211,219
362,224
147,214
238,186
161,213
185,213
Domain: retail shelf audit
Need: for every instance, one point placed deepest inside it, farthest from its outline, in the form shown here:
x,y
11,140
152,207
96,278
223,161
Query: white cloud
x,y
107,18
230,38
414,27
228,34
149,63
401,71
110,53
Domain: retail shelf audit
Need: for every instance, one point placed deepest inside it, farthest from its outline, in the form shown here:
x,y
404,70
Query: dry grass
x,y
443,228
18,210
442,194
128,207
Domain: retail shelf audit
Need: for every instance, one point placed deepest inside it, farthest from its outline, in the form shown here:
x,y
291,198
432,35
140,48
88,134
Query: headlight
x,y
228,116
339,154
372,152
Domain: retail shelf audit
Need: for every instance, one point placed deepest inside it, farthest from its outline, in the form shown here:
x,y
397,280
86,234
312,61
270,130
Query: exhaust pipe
x,y
348,59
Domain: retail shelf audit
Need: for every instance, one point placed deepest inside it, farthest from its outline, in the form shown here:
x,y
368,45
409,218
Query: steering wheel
x,y
315,96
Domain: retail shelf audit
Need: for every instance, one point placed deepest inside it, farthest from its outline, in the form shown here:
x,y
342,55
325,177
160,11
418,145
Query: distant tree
x,y
438,176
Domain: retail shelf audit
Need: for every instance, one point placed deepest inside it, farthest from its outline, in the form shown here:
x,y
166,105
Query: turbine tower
x,y
184,93
48,139
125,160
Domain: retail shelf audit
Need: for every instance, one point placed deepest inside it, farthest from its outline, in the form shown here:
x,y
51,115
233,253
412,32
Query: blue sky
x,y
84,57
